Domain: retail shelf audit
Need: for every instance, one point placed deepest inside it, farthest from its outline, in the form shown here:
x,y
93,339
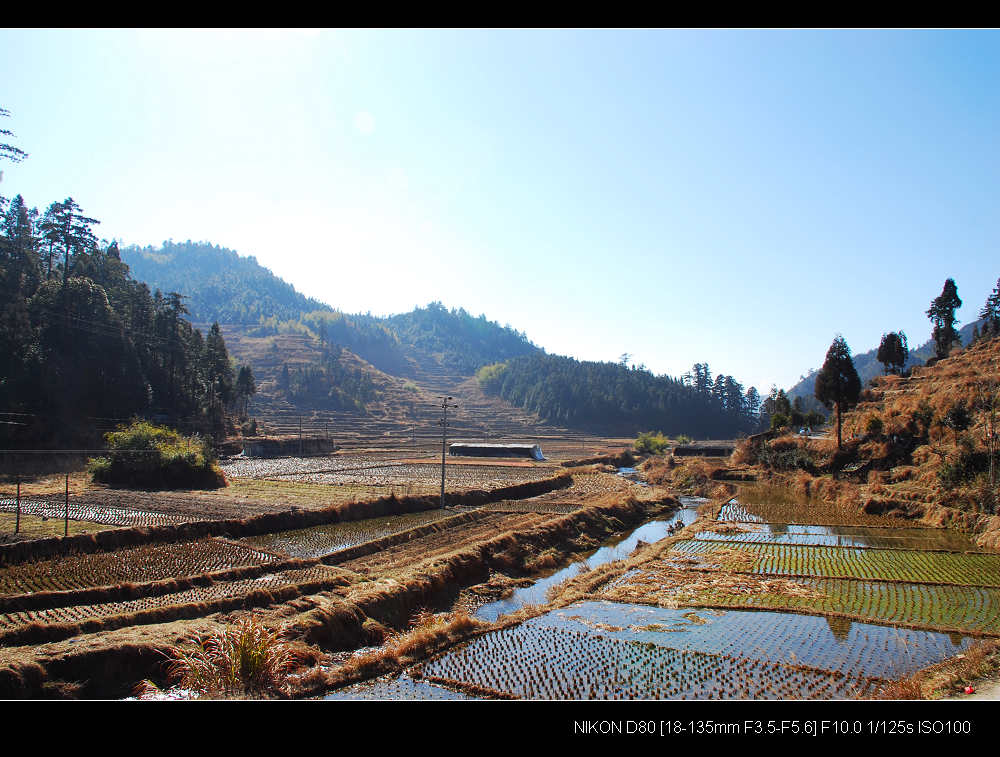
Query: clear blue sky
x,y
730,197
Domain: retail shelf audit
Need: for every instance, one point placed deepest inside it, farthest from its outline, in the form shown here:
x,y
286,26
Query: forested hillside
x,y
83,344
613,398
459,341
219,284
603,397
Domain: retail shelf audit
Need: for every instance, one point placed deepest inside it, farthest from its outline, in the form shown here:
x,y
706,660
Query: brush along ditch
x,y
329,608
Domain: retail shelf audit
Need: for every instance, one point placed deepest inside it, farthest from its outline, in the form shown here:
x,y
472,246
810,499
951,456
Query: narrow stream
x,y
616,549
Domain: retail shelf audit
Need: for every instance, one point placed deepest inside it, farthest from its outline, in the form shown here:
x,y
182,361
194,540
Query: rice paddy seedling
x,y
850,562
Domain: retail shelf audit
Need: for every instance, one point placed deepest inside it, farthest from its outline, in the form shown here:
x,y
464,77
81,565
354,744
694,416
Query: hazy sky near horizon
x,y
729,197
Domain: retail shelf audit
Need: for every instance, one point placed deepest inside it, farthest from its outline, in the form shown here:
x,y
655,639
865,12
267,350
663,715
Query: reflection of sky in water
x,y
616,550
402,687
331,537
848,536
830,643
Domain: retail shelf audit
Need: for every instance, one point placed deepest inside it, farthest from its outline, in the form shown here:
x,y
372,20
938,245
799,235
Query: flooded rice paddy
x,y
846,605
616,549
333,537
606,650
378,471
130,565
846,536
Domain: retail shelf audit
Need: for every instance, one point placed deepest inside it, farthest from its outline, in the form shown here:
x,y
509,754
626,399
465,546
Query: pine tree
x,y
991,312
11,153
838,384
893,352
942,315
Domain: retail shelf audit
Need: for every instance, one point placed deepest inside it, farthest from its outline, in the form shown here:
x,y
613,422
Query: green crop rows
x,y
848,562
940,607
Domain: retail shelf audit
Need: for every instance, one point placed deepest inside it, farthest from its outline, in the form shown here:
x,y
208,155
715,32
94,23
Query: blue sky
x,y
730,197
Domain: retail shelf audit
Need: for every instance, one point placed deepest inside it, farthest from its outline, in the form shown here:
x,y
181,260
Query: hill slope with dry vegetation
x,y
923,446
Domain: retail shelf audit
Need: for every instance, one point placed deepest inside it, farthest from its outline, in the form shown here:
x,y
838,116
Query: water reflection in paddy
x,y
617,549
332,537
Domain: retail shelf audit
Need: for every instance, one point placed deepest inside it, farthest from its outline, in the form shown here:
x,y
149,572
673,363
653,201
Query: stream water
x,y
616,549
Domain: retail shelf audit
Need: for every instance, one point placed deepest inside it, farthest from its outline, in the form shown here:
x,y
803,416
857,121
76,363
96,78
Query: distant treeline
x,y
615,399
80,339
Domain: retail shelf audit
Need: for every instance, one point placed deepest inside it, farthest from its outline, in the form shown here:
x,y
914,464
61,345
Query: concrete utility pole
x,y
444,438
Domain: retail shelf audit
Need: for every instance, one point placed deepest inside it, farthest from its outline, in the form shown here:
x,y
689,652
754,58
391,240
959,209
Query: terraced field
x,y
604,650
132,565
55,508
811,513
965,609
427,548
843,536
333,537
220,590
852,562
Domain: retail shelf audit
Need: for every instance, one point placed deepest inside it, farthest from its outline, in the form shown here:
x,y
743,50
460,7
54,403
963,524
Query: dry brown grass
x,y
242,659
980,660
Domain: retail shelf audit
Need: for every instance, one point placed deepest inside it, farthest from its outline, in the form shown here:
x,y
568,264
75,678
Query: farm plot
x,y
293,466
427,548
88,511
602,650
841,536
401,687
967,609
221,590
811,513
530,506
456,476
333,537
131,565
851,562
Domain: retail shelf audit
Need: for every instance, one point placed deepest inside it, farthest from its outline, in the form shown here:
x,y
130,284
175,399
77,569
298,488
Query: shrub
x,y
874,426
964,466
650,443
241,659
154,457
780,420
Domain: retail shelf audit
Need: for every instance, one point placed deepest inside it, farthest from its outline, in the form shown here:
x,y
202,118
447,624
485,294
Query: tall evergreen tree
x,y
991,312
942,315
9,152
838,384
893,352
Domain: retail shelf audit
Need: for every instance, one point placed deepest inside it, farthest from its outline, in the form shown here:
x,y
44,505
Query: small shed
x,y
481,449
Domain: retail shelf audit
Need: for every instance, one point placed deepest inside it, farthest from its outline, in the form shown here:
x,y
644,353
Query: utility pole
x,y
66,518
444,438
17,523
